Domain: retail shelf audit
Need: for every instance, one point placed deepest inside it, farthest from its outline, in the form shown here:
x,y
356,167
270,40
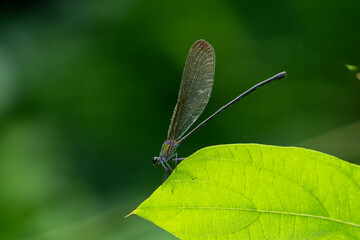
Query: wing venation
x,y
195,88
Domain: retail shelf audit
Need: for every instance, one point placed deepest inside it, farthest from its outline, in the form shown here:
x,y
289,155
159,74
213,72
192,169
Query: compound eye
x,y
155,161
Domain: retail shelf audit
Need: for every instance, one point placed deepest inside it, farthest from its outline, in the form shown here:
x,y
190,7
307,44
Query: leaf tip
x,y
133,212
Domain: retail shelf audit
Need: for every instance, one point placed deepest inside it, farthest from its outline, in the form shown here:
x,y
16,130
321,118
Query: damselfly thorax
x,y
168,151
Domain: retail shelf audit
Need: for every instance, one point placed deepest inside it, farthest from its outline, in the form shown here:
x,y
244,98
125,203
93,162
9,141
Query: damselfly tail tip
x,y
281,75
278,76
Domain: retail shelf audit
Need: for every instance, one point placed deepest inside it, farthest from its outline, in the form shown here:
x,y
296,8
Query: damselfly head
x,y
156,161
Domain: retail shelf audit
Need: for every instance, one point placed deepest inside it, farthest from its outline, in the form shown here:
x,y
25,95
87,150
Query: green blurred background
x,y
87,89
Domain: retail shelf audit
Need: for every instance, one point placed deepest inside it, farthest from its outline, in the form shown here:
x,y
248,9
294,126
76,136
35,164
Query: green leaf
x,y
250,191
352,68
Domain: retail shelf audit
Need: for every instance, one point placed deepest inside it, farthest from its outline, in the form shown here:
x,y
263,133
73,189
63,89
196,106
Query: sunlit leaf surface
x,y
249,191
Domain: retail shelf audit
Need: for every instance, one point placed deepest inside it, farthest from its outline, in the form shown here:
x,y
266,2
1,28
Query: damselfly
x,y
195,90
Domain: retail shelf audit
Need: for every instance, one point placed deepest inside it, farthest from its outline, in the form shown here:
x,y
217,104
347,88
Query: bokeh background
x,y
87,89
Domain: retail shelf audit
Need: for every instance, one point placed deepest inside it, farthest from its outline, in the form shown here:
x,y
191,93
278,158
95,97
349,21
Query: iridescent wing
x,y
195,88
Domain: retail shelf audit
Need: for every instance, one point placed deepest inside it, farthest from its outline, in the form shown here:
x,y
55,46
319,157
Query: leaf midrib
x,y
259,211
